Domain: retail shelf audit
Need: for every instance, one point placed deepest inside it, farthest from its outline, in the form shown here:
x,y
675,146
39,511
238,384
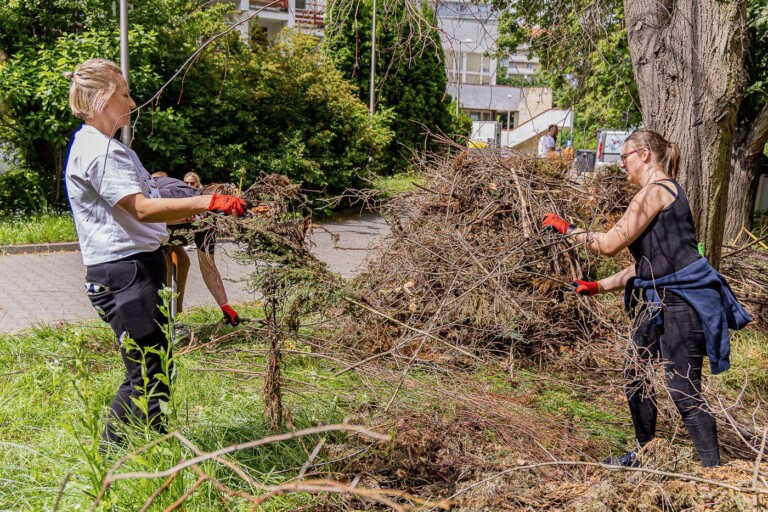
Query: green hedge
x,y
21,191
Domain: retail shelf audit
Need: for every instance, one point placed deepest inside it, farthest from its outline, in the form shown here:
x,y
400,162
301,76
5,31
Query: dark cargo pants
x,y
125,294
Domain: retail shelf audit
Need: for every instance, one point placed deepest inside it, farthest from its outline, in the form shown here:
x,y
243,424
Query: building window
x,y
478,69
480,115
501,118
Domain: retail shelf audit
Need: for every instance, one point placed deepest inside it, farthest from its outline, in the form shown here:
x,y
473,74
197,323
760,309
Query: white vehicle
x,y
609,144
486,132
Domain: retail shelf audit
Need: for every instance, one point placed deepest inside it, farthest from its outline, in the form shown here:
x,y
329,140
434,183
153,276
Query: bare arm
x,y
641,212
168,210
212,277
617,281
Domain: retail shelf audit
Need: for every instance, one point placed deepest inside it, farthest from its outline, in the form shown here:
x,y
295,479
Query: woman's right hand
x,y
229,205
554,221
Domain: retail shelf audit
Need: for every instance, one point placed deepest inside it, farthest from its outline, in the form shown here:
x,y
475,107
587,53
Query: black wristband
x,y
570,229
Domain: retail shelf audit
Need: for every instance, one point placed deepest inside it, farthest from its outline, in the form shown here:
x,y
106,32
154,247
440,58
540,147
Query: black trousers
x,y
125,294
679,344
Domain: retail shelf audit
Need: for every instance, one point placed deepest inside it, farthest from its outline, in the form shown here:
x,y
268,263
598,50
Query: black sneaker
x,y
627,460
181,334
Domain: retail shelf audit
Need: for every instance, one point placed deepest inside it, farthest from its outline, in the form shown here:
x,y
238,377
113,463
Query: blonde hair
x,y
194,176
93,83
664,153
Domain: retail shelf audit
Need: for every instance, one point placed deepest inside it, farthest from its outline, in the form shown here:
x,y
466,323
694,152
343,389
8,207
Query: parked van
x,y
609,144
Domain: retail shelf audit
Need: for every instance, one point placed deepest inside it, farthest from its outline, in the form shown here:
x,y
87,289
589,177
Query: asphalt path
x,y
47,288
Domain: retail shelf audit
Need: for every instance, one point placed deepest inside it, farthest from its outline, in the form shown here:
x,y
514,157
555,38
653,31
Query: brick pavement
x,y
47,288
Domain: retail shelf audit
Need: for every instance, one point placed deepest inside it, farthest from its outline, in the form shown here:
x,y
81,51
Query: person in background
x,y
204,239
547,141
686,306
120,220
193,180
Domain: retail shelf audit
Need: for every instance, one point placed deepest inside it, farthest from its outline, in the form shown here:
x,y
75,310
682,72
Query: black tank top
x,y
669,243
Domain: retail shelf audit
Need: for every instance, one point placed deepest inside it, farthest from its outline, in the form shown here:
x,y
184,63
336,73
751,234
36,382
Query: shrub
x,y
21,190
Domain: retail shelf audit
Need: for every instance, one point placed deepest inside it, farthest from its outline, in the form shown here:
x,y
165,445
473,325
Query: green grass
x,y
591,416
37,228
57,385
749,366
398,184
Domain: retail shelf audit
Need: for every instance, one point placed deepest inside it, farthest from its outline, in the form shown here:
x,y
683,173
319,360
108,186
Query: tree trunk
x,y
748,143
688,59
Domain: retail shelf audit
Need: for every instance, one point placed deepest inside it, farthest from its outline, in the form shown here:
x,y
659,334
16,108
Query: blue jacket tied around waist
x,y
701,286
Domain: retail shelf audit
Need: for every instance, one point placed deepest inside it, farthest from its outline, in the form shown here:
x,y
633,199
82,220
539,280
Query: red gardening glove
x,y
552,220
230,205
230,315
585,287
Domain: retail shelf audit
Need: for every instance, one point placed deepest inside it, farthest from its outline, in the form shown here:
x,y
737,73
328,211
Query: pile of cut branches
x,y
468,262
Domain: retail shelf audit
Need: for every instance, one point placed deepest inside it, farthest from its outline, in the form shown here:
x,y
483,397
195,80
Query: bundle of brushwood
x,y
746,269
468,262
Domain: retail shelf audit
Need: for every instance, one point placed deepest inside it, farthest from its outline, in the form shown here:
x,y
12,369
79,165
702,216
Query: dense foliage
x,y
410,69
584,56
238,111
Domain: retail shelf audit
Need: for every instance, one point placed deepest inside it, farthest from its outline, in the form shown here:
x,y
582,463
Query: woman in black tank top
x,y
658,230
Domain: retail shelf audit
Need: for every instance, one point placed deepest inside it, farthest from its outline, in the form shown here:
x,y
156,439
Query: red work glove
x,y
230,205
230,315
552,220
585,287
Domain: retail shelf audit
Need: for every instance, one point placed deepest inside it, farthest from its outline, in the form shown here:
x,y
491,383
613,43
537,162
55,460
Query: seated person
x,y
184,233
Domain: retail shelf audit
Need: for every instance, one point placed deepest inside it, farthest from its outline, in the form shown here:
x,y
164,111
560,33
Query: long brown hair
x,y
664,153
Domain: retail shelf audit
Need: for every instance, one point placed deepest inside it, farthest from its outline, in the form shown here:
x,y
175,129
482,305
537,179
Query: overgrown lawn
x,y
37,228
58,383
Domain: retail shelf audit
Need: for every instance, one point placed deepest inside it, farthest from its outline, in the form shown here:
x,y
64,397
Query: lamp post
x,y
509,105
125,135
373,57
459,73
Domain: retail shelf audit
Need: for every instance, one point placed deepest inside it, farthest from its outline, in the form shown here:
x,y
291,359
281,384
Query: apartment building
x,y
275,15
469,32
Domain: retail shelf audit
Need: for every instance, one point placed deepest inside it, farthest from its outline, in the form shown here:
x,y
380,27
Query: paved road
x,y
48,288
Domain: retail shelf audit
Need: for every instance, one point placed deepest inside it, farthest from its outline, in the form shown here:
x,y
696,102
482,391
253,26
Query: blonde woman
x,y
193,180
120,220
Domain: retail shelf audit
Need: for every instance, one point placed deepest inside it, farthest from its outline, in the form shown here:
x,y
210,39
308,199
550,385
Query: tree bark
x,y
688,59
748,143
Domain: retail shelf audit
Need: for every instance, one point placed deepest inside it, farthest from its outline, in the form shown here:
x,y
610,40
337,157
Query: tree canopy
x,y
613,60
410,68
584,56
238,111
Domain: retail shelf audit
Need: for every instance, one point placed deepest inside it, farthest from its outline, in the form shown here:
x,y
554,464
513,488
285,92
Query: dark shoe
x,y
627,460
181,334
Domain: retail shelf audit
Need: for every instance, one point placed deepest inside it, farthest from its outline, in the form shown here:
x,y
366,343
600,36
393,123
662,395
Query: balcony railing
x,y
279,5
312,15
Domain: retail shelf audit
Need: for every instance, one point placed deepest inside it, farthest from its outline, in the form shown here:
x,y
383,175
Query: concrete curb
x,y
39,248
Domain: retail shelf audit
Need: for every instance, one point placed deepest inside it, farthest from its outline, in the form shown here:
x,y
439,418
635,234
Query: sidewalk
x,y
47,288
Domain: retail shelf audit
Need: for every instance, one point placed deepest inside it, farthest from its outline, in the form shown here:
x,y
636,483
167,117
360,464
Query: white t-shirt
x,y
100,172
546,142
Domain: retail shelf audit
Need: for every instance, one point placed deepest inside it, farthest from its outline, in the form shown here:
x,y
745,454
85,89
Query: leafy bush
x,y
21,190
280,108
276,106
